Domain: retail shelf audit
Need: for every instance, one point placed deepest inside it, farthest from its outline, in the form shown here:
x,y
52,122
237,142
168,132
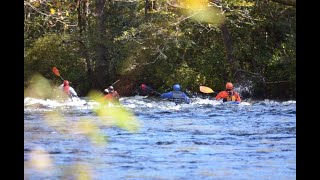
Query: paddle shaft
x,y
115,82
61,78
149,88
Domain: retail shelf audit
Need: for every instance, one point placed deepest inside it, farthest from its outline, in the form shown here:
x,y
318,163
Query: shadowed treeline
x,y
94,43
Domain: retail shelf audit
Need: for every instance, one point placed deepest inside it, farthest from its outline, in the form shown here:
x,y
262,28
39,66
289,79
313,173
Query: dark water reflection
x,y
202,140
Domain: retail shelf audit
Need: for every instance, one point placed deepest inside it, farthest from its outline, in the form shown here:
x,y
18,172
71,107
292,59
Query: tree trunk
x,y
146,8
150,5
78,2
85,53
101,49
227,42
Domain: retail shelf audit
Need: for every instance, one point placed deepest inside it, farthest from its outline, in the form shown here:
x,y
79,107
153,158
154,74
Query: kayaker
x,y
68,89
228,94
111,94
176,95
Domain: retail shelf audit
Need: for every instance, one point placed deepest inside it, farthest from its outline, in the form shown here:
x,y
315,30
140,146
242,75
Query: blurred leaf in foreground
x,y
114,114
201,10
40,159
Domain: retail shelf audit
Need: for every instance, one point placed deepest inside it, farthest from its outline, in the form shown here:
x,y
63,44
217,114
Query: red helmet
x,y
65,82
229,85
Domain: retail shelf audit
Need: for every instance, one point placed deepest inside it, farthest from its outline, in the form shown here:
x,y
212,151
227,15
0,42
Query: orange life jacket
x,y
112,96
226,96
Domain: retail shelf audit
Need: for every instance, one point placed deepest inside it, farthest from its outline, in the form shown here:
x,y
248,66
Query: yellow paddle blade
x,y
205,89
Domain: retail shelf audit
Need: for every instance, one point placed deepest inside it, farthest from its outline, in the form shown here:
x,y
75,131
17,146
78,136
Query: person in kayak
x,y
111,94
176,95
68,89
229,94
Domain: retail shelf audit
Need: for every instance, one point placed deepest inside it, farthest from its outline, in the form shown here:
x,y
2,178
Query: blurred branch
x,y
161,54
286,2
277,82
56,18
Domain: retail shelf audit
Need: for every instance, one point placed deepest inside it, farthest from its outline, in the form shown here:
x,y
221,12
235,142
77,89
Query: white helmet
x,y
110,89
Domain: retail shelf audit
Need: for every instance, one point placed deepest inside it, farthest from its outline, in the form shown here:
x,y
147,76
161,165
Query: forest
x,y
94,43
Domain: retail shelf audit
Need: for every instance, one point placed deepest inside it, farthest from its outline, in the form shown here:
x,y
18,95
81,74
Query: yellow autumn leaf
x,y
36,4
67,13
200,10
38,87
52,11
92,131
40,159
247,4
195,4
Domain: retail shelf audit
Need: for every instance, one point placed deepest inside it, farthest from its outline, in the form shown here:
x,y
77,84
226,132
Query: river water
x,y
206,139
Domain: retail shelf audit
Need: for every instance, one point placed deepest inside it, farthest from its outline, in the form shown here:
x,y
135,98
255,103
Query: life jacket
x,y
66,89
177,97
112,96
231,97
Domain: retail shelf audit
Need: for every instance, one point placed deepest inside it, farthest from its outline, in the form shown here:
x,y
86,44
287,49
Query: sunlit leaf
x,y
209,15
246,4
52,11
79,171
96,96
82,172
119,116
39,87
65,27
88,128
114,115
56,121
195,4
37,4
40,159
200,10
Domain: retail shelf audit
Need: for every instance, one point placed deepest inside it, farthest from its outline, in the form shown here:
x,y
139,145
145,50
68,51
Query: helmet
x,y
110,88
229,85
65,82
176,87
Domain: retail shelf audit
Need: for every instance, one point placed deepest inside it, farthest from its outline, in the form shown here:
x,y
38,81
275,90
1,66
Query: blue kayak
x,y
231,102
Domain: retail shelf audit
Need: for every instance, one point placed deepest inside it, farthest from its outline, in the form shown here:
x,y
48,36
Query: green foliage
x,y
165,46
50,51
41,17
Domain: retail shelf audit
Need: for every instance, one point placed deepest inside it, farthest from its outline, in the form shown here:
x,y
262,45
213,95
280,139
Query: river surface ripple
x,y
206,139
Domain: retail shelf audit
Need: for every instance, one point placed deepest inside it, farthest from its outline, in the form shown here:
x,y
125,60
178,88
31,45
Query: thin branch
x,y
160,54
35,9
47,15
185,18
252,74
286,2
277,82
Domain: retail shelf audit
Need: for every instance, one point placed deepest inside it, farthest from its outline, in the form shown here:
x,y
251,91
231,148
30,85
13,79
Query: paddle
x,y
56,72
147,88
114,82
206,89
